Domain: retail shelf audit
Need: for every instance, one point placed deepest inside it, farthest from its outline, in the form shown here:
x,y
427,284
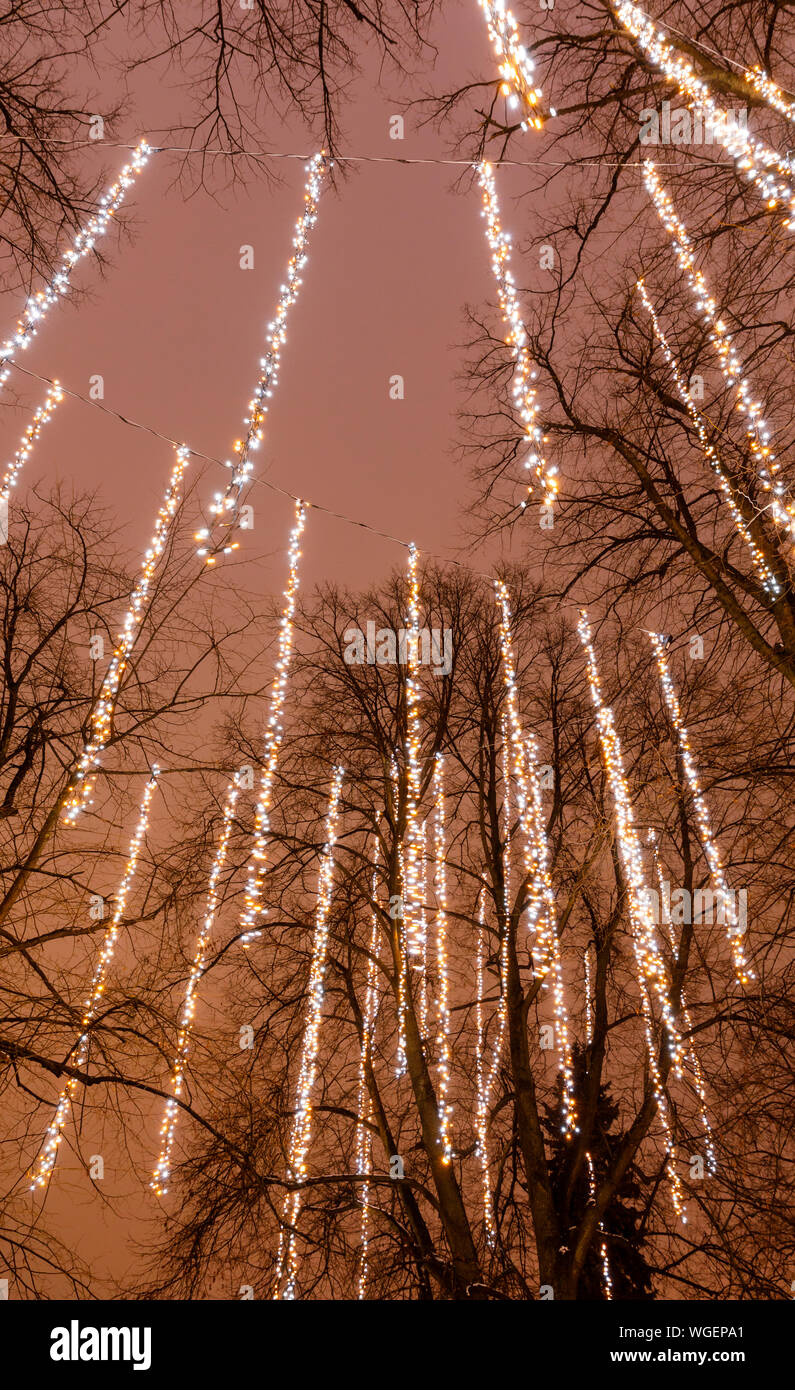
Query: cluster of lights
x,y
253,909
41,417
782,506
42,301
767,579
287,1260
45,1162
743,972
224,507
516,66
101,722
588,1016
364,1143
536,857
524,393
692,1055
162,1172
414,839
445,1109
756,162
607,1282
482,1105
651,969
757,78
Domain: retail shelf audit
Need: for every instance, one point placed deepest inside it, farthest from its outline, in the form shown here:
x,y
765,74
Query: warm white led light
x,y
720,887
780,503
41,416
443,1053
82,779
516,65
769,172
162,1172
364,1142
541,917
767,579
692,1054
224,509
524,392
39,304
42,1169
301,1137
652,975
253,909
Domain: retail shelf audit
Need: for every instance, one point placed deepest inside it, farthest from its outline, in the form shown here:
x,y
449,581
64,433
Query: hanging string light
x,y
413,844
651,969
253,909
287,1260
224,508
400,934
541,917
444,1063
101,720
421,987
762,83
481,1105
769,172
782,506
39,304
162,1172
588,1013
41,416
720,887
766,577
516,66
607,1282
548,933
78,1057
692,1054
364,1143
524,392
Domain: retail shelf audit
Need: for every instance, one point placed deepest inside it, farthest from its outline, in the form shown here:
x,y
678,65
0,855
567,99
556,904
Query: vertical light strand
x,y
253,909
588,1013
481,1104
524,375
756,163
224,508
162,1171
422,922
692,1054
301,1138
781,504
764,574
364,1142
78,1057
650,967
413,845
548,934
443,1053
41,416
542,906
39,304
516,66
490,1076
607,1282
82,780
720,886
400,933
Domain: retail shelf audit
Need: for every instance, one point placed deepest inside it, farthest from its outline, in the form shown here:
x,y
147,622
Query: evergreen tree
x,y
623,1234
